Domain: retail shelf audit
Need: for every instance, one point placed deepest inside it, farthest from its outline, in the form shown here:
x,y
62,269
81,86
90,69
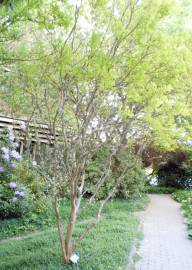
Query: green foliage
x,y
34,222
125,50
14,202
15,198
185,198
175,174
21,190
181,195
132,183
159,189
28,223
94,171
66,52
9,157
106,247
25,174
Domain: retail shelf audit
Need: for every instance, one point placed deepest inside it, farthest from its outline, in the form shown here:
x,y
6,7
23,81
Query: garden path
x,y
165,245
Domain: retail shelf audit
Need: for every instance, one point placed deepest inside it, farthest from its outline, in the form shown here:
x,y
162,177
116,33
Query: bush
x,y
132,184
160,190
94,171
27,176
14,200
185,198
27,191
181,195
174,174
9,156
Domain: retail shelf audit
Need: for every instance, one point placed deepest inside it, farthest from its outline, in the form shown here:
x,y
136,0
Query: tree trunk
x,y
116,166
70,228
60,228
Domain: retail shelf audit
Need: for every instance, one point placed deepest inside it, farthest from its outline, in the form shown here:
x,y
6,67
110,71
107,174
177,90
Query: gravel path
x,y
165,245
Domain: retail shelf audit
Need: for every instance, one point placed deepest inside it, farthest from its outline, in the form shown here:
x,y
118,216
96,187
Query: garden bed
x,y
106,247
185,198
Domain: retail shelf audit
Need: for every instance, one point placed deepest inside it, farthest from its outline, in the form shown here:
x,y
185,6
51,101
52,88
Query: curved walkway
x,y
165,245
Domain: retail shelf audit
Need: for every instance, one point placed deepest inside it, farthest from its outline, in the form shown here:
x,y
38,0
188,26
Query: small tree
x,y
75,141
107,77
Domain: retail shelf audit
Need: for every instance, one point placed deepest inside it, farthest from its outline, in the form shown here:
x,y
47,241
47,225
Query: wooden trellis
x,y
34,133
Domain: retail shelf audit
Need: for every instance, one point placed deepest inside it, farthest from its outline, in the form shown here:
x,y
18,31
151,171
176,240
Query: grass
x,y
185,198
19,227
106,248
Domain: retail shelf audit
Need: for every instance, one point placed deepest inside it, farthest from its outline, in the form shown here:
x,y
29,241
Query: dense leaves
x,y
21,191
185,198
124,49
13,197
175,173
132,183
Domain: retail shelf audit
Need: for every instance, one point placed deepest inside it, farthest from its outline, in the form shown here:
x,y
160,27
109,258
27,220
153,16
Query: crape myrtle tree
x,y
14,16
108,78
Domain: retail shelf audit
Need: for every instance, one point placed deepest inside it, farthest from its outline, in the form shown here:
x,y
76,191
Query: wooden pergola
x,y
34,134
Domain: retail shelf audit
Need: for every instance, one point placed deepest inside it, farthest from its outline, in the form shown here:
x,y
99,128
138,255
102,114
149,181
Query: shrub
x,y
174,174
26,175
14,200
9,156
132,184
21,189
181,195
159,189
185,198
94,171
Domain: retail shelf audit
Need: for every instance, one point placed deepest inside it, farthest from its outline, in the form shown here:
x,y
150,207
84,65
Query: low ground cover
x,y
159,189
106,247
33,222
185,198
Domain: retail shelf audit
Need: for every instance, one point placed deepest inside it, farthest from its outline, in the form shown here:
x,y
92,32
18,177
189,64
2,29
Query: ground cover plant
x,y
185,198
106,248
159,189
34,223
